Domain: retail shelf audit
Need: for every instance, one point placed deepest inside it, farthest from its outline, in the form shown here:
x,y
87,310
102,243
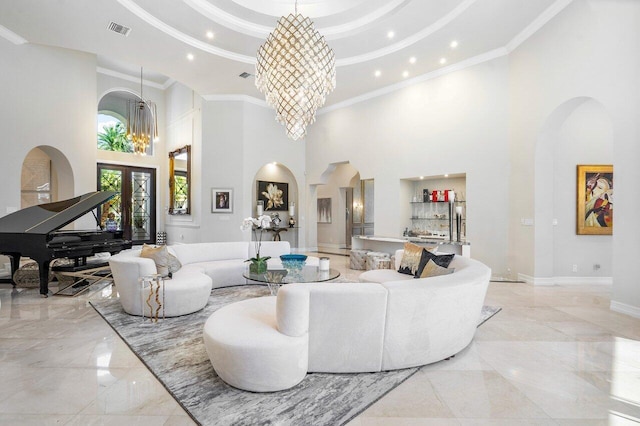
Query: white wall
x,y
48,99
184,127
586,137
233,142
588,51
452,124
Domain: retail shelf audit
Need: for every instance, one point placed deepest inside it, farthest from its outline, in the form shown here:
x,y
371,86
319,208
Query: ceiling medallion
x,y
295,70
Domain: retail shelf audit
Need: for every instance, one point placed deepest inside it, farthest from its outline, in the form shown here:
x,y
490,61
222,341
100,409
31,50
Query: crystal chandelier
x,y
142,124
295,70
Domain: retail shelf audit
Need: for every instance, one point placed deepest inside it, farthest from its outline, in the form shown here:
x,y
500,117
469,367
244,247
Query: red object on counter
x,y
434,195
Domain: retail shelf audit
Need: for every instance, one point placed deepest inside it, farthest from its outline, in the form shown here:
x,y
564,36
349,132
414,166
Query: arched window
x,y
112,133
113,109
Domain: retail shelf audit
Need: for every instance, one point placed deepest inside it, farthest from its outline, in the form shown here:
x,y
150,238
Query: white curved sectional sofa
x,y
204,266
270,343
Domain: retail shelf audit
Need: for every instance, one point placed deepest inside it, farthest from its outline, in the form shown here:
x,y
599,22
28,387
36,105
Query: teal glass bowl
x,y
293,261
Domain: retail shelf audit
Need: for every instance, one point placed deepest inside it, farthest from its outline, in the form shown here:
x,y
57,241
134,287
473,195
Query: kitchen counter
x,y
391,244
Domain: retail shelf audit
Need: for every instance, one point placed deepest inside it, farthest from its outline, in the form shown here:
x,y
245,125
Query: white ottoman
x,y
378,260
247,350
357,259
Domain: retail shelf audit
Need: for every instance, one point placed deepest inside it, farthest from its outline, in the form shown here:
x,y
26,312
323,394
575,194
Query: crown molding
x,y
249,28
484,57
127,77
406,42
236,98
537,23
179,35
9,35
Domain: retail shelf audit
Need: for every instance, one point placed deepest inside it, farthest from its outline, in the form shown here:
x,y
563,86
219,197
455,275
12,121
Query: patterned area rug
x,y
174,352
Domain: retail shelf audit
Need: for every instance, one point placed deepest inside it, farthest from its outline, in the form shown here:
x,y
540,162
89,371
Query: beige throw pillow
x,y
166,263
411,258
431,269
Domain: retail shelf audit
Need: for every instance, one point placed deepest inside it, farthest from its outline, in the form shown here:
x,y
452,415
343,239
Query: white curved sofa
x,y
346,327
204,266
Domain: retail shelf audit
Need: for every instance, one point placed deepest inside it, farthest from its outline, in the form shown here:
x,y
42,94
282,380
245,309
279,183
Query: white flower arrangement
x,y
261,223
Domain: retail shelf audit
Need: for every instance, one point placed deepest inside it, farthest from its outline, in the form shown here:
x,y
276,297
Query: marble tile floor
x,y
553,356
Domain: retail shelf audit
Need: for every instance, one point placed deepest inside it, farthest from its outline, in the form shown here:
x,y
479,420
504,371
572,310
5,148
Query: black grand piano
x,y
34,232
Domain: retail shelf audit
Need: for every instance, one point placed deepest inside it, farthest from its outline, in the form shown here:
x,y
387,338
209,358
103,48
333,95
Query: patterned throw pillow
x,y
166,263
442,260
431,269
411,258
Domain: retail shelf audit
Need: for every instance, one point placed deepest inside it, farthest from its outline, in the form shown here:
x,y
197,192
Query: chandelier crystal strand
x,y
295,70
142,125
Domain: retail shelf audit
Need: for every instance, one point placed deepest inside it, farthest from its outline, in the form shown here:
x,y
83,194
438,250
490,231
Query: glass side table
x,y
152,297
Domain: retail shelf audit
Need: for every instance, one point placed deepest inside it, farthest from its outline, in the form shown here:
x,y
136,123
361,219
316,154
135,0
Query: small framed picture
x,y
324,210
221,200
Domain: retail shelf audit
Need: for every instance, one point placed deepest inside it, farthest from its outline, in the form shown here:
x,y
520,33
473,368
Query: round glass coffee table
x,y
275,278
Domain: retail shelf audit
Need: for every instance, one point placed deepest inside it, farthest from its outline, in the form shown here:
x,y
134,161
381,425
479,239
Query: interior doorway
x,y
134,208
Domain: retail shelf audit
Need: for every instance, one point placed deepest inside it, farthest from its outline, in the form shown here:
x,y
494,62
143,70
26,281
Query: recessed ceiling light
x,y
453,44
421,177
443,61
391,34
446,175
209,35
405,74
377,73
190,56
412,60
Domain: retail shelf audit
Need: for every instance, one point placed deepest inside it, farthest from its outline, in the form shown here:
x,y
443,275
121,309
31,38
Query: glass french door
x,y
134,208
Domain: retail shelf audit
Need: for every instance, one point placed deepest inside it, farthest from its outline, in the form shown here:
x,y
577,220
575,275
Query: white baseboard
x,y
565,280
623,308
304,249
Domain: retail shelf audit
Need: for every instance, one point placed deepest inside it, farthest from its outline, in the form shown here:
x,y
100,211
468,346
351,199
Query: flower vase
x,y
258,266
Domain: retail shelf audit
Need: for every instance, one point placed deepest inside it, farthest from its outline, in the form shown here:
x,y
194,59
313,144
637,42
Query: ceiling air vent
x,y
245,75
120,29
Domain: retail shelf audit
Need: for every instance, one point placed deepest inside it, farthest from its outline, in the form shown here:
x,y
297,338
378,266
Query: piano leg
x,y
43,267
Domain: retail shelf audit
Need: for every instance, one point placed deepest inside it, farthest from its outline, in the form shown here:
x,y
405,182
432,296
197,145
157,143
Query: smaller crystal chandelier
x,y
295,70
142,124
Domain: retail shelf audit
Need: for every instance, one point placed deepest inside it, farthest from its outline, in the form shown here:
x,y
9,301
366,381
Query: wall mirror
x,y
180,181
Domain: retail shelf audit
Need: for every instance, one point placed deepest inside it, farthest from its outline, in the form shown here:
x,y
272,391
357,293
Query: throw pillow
x,y
431,269
166,263
411,258
442,260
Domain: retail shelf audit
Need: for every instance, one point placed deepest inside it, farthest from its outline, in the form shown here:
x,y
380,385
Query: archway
x,y
340,211
579,131
46,177
112,120
278,179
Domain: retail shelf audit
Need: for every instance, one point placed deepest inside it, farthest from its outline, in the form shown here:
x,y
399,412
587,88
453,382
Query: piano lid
x,y
46,218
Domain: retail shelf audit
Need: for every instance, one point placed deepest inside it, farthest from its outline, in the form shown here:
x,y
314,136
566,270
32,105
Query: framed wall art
x,y
324,210
275,195
221,200
595,200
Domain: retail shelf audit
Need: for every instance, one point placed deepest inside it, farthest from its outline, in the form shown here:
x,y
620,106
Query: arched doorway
x,y
276,191
344,208
579,131
46,177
